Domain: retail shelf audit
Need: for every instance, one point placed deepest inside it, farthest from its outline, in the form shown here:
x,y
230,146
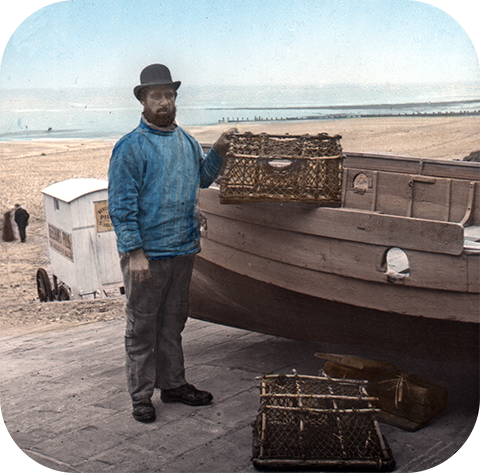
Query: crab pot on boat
x,y
81,243
395,261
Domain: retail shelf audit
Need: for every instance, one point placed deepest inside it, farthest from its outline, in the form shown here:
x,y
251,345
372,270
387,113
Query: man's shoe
x,y
187,394
144,411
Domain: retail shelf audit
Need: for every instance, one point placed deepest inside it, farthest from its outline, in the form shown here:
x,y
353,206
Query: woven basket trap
x,y
313,423
282,168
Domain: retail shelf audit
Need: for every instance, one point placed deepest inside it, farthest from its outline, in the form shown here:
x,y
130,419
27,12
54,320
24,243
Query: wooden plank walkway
x,y
64,402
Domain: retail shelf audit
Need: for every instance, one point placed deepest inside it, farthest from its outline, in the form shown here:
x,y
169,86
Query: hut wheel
x,y
63,294
44,289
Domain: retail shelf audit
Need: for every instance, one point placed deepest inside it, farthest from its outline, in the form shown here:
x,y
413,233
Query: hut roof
x,y
72,189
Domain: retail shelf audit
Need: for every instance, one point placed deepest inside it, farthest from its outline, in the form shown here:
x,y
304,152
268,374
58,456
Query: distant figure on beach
x,y
21,219
153,179
8,234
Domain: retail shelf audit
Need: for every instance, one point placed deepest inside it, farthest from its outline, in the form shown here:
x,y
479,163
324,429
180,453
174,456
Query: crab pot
x,y
81,242
318,423
283,168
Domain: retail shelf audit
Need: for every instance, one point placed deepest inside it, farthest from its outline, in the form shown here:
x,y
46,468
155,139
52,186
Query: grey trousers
x,y
156,313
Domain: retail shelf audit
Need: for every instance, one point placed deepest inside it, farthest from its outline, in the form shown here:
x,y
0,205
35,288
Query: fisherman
x,y
154,175
21,219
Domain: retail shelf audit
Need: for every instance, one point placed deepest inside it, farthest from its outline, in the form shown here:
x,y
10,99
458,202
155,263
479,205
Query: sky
x,y
11,10
230,42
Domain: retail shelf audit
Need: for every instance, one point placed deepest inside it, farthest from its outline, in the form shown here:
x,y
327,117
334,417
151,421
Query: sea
x,y
109,113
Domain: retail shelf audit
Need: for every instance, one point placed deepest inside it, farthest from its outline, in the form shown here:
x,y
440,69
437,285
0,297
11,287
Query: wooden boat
x,y
398,263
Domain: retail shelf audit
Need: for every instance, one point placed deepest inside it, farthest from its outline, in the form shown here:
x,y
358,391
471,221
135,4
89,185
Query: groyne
x,y
341,116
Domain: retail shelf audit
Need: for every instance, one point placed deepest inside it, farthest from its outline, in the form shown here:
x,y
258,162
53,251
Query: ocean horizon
x,y
28,114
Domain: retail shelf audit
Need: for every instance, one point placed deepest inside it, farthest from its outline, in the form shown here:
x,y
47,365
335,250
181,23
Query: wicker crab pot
x,y
318,424
283,168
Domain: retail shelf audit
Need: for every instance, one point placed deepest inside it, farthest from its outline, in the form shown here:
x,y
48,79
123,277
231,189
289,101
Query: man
x,y
21,219
154,175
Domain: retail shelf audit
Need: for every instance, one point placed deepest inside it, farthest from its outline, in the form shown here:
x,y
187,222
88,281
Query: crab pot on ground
x,y
318,423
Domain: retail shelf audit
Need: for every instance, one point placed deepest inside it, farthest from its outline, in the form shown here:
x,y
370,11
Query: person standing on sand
x,y
154,175
21,219
8,234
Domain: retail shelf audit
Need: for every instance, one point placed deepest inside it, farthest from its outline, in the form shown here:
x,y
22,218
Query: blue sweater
x,y
153,180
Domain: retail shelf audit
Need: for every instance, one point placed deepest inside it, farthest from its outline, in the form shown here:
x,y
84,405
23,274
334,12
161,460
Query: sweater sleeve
x,y
210,167
125,175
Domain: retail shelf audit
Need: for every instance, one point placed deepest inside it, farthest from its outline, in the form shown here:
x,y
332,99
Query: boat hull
x,y
225,297
341,256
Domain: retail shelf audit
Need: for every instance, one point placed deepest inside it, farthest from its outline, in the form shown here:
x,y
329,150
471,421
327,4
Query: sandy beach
x,y
27,167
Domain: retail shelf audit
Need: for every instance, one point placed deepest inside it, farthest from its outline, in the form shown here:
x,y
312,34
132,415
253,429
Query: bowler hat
x,y
155,74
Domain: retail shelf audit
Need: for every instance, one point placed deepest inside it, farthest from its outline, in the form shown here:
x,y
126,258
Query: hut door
x,y
106,255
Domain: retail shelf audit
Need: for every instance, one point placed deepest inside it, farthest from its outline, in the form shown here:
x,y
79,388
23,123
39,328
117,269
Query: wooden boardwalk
x,y
64,402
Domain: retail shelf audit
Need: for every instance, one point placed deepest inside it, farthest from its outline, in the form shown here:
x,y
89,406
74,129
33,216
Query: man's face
x,y
159,105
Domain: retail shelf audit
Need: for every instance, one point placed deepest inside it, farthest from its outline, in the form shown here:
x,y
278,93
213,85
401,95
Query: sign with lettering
x,y
60,241
104,224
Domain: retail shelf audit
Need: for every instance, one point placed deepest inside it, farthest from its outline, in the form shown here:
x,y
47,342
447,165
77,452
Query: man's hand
x,y
139,267
223,143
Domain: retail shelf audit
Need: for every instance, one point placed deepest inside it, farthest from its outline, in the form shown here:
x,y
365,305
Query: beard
x,y
161,118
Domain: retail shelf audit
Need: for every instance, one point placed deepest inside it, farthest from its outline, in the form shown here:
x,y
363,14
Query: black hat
x,y
155,74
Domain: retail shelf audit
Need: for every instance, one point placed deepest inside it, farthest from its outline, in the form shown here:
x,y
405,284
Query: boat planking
x,y
398,260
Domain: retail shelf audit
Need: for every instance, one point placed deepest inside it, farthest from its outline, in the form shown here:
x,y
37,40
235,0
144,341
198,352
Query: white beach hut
x,y
81,242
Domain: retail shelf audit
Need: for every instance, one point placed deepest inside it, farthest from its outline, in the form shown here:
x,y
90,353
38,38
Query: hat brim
x,y
138,88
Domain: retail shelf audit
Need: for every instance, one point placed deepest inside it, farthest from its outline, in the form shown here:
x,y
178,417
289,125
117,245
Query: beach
x,y
28,167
